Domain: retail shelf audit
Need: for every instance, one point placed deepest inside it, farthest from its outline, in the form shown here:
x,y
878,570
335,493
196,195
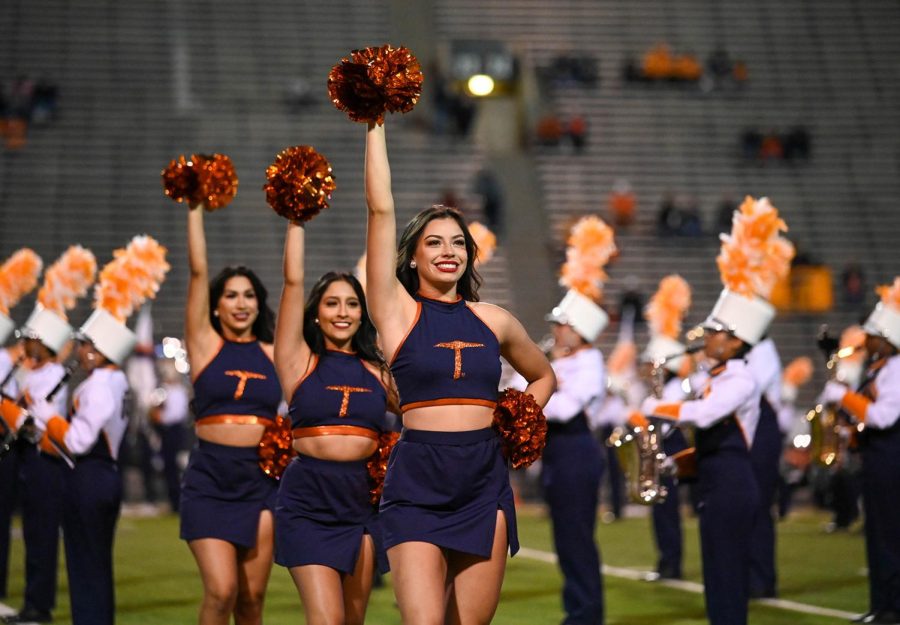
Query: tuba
x,y
830,435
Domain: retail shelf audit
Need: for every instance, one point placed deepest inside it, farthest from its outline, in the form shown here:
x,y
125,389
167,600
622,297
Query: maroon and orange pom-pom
x,y
300,183
203,179
376,80
377,464
522,427
276,447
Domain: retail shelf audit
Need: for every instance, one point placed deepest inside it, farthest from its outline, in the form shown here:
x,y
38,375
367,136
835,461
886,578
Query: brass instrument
x,y
830,435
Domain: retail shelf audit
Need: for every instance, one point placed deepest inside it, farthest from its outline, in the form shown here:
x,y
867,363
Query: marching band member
x,y
227,501
47,337
18,276
664,316
339,386
93,432
725,417
876,405
624,392
447,510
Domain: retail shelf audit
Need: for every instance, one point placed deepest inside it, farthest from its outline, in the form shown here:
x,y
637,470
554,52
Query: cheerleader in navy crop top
x,y
447,502
227,501
326,531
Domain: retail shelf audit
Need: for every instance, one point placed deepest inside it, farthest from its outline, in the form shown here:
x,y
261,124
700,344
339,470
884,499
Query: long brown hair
x,y
469,282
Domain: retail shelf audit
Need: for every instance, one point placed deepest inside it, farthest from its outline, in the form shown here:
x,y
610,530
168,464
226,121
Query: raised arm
x,y
201,338
291,351
391,307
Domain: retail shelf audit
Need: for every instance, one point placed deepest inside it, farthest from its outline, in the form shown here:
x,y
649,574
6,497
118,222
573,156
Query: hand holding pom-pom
x,y
276,448
522,427
377,464
300,183
376,80
203,179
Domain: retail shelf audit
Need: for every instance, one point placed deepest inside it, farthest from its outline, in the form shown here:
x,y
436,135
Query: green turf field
x,y
158,584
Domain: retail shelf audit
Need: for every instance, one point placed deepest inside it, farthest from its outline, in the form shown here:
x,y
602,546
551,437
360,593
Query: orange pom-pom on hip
x,y
203,179
276,448
522,427
377,464
376,80
300,183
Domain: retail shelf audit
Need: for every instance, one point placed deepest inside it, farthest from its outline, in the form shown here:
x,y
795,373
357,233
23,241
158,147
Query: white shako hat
x,y
110,337
580,312
7,326
747,319
662,347
884,322
48,328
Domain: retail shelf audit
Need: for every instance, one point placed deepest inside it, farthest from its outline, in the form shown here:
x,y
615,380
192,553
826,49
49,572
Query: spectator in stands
x,y
549,130
796,144
463,110
751,141
771,148
441,100
576,130
488,187
691,222
740,73
657,62
853,282
719,65
45,97
686,68
668,219
725,213
631,70
622,203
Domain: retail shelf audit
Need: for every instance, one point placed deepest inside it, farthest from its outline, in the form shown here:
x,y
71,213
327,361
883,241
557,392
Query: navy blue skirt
x,y
445,488
322,513
222,493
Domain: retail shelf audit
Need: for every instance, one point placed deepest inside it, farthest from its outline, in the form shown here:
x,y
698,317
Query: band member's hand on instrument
x,y
833,393
42,411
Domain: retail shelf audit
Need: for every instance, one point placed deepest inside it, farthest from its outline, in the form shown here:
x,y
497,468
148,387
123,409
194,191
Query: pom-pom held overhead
x,y
890,293
519,420
377,464
131,277
485,242
300,183
755,255
799,371
589,247
374,81
203,179
18,277
67,279
668,306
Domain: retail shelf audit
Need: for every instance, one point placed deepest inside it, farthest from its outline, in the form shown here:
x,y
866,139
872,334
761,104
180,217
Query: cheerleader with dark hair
x,y
227,501
339,386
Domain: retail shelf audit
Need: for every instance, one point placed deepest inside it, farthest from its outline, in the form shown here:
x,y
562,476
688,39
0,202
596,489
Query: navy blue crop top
x,y
240,380
450,356
339,390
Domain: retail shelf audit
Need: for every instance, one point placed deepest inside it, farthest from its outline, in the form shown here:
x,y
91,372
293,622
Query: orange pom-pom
x,y
890,293
377,463
589,247
485,242
18,277
376,80
203,179
300,183
522,427
668,306
67,279
799,371
755,255
276,448
134,274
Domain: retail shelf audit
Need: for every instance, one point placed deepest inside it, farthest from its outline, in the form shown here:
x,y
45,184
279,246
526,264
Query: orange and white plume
x,y
890,294
485,241
131,277
18,277
755,255
798,372
67,279
668,306
589,248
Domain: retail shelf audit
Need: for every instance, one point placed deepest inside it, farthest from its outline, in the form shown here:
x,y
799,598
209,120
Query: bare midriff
x,y
336,447
232,434
449,418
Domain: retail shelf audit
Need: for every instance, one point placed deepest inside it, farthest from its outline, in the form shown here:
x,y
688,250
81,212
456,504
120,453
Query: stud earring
x,y
412,264
316,321
215,313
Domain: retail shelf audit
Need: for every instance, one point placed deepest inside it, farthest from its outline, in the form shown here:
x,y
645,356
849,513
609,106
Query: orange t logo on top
x,y
457,347
346,390
242,377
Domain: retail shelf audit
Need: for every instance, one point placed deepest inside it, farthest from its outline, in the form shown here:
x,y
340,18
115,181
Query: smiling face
x,y
339,315
440,255
238,307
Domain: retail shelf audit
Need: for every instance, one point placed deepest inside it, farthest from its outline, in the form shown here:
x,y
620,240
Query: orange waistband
x,y
449,401
334,430
236,419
